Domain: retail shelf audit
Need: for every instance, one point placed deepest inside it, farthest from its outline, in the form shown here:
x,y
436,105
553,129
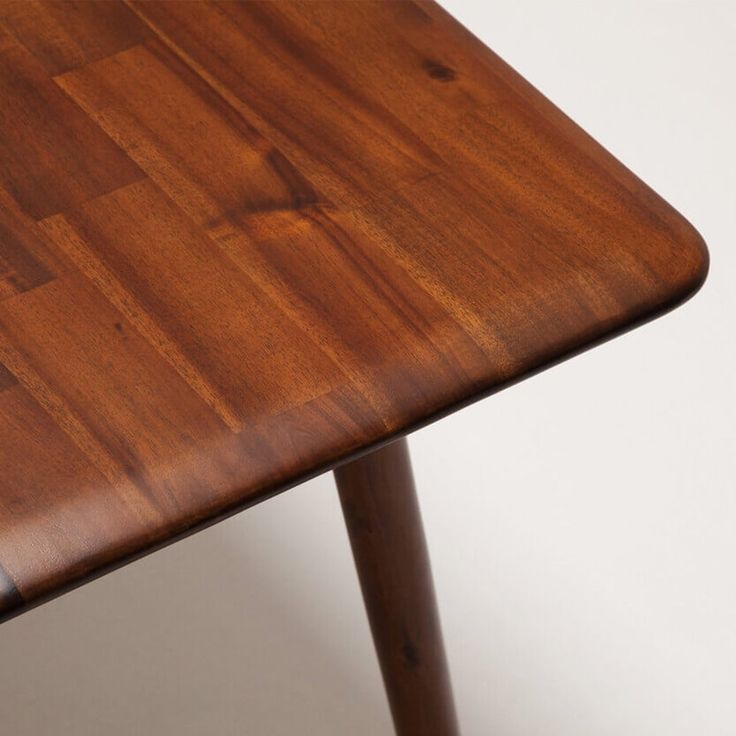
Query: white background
x,y
582,525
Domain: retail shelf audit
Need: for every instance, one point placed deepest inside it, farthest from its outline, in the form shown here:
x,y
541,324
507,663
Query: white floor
x,y
582,525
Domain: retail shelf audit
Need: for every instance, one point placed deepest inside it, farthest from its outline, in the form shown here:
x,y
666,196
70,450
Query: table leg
x,y
382,516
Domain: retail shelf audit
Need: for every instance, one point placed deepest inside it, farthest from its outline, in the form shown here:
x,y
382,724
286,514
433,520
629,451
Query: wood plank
x,y
252,175
40,463
52,155
136,419
65,34
215,315
7,379
276,73
27,260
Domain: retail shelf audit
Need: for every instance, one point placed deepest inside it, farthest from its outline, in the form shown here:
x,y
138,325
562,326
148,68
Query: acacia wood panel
x,y
242,242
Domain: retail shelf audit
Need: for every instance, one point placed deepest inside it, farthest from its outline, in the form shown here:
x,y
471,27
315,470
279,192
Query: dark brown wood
x,y
381,511
242,242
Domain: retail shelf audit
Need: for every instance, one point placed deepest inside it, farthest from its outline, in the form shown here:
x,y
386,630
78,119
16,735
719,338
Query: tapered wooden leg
x,y
382,516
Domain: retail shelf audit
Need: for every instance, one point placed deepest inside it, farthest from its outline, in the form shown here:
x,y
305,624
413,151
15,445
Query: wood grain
x,y
226,267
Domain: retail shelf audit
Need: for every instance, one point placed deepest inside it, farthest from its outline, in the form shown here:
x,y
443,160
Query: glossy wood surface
x,y
381,512
241,242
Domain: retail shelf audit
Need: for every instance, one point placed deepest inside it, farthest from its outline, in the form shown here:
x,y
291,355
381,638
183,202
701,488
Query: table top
x,y
243,242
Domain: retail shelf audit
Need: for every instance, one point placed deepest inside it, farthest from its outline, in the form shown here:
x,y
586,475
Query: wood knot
x,y
439,71
410,655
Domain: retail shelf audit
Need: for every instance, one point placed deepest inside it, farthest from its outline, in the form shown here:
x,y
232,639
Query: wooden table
x,y
243,244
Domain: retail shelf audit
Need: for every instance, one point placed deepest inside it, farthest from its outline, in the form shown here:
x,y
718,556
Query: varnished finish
x,y
242,242
382,516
